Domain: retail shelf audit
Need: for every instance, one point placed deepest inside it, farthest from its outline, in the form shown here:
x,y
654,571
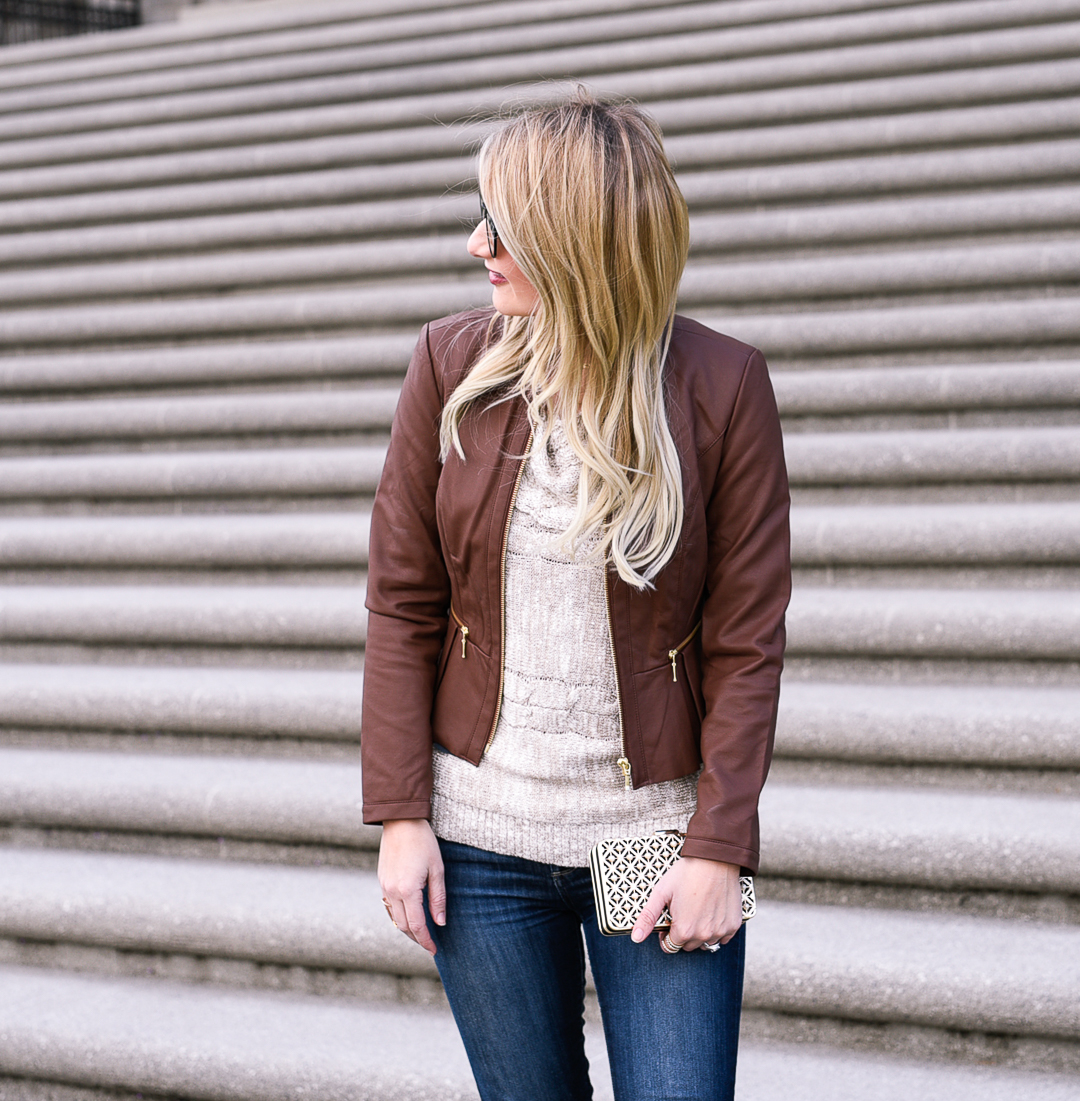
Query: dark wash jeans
x,y
513,966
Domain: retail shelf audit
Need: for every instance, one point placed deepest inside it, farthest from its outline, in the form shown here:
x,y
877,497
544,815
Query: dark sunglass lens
x,y
492,232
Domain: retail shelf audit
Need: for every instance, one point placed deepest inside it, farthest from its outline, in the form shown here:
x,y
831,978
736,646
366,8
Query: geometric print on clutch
x,y
624,872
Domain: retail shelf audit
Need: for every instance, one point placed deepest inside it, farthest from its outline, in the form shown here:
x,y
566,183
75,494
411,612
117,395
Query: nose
x,y
478,245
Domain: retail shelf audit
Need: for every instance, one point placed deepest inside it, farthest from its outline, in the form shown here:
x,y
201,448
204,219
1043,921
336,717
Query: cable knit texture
x,y
549,786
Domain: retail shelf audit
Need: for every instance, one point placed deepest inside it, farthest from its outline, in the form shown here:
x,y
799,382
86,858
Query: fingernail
x,y
637,936
440,919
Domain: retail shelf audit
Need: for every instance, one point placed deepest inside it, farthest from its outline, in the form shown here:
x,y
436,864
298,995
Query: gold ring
x,y
389,912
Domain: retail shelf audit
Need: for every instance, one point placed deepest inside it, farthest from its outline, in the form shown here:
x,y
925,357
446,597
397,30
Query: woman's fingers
x,y
650,915
409,859
437,894
705,901
416,923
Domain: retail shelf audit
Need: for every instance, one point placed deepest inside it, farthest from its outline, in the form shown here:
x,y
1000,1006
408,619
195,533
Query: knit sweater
x,y
549,785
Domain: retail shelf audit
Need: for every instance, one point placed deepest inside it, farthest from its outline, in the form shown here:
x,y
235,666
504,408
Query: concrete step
x,y
985,725
1004,726
257,360
205,1043
920,389
39,202
921,535
921,327
144,1033
1043,454
930,534
251,472
253,34
904,221
335,222
861,176
805,393
925,969
947,839
364,45
842,224
297,801
1001,624
306,704
161,122
373,307
354,132
21,205
308,411
953,331
276,540
241,147
906,39
913,271
974,455
952,840
184,615
928,969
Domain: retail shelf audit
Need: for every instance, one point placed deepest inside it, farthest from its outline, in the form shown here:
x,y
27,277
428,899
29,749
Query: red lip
x,y
496,278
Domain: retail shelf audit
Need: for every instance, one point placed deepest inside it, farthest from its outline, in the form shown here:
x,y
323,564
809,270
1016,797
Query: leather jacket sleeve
x,y
407,598
747,591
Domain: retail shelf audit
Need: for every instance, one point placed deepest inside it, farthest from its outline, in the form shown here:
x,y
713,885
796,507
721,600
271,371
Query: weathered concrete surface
x,y
931,838
307,802
247,471
934,724
220,1045
258,615
309,539
935,623
299,703
959,973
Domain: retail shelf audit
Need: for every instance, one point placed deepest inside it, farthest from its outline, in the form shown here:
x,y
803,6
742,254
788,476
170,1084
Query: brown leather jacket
x,y
433,667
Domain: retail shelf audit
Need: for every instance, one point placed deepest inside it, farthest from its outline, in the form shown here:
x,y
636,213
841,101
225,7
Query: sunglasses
x,y
492,232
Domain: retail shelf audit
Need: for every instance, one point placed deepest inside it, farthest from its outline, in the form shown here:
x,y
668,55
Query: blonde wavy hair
x,y
586,202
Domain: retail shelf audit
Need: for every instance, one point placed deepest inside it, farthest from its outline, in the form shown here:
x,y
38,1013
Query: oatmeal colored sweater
x,y
549,786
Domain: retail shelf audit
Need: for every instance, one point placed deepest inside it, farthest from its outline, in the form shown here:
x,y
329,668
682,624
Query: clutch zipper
x,y
464,630
673,654
624,761
502,588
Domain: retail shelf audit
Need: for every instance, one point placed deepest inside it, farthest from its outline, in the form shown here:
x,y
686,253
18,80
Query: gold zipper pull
x,y
624,764
672,655
464,638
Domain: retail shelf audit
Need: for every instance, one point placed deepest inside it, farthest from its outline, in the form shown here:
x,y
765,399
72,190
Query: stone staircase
x,y
218,239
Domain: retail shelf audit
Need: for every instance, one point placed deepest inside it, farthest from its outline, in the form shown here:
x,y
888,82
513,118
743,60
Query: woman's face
x,y
511,293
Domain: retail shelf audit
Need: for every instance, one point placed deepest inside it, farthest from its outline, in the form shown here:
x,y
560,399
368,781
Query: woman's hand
x,y
705,900
409,859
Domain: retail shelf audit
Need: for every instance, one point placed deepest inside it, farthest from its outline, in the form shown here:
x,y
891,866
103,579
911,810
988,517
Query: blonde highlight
x,y
587,204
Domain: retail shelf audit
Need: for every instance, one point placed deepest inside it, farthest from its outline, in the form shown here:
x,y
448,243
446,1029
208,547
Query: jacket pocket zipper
x,y
674,653
464,630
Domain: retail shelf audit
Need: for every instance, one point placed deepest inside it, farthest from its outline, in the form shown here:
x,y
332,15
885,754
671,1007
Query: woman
x,y
578,574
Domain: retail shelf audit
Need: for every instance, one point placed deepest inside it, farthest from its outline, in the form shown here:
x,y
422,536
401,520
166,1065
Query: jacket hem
x,y
708,849
377,813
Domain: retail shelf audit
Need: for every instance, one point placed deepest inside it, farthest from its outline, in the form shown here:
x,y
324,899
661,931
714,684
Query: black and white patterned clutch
x,y
624,872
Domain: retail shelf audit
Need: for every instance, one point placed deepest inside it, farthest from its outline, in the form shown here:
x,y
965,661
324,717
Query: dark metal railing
x,y
26,20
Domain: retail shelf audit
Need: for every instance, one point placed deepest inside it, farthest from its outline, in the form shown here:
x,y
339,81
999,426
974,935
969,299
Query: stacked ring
x,y
710,947
668,945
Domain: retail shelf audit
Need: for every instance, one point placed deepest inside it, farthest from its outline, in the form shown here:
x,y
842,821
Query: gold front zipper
x,y
502,588
464,631
673,654
624,761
